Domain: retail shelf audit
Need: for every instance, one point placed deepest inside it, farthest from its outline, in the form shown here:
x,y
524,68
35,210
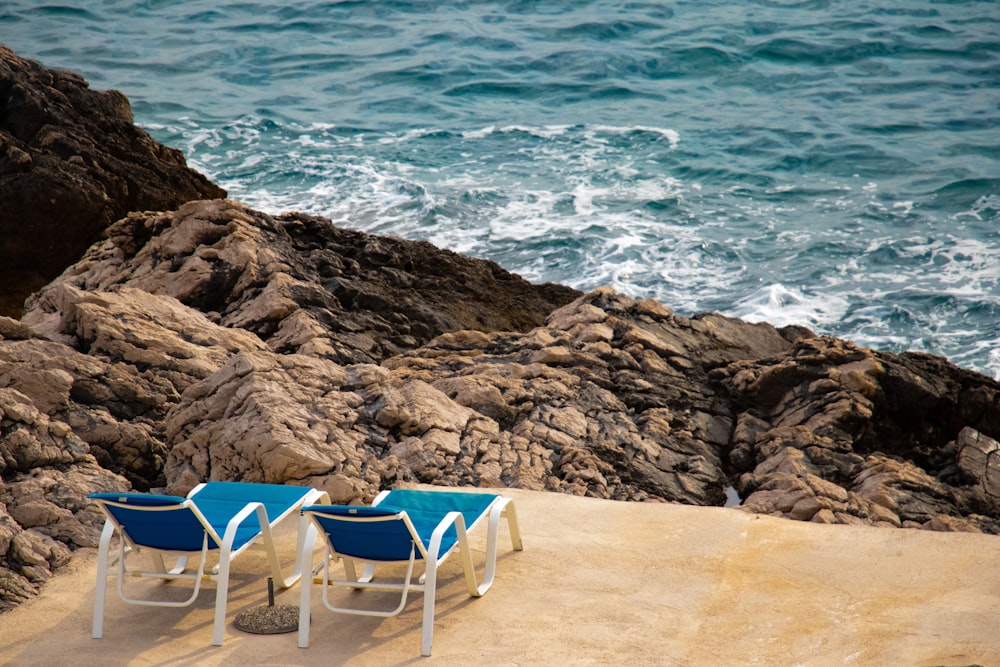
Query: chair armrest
x,y
234,524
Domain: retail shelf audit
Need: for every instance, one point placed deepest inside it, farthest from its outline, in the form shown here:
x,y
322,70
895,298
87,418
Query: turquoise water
x,y
831,164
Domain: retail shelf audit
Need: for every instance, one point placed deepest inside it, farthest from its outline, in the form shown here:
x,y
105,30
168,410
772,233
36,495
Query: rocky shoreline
x,y
175,336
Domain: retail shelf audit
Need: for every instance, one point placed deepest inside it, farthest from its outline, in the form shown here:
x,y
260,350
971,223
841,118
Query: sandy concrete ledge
x,y
599,583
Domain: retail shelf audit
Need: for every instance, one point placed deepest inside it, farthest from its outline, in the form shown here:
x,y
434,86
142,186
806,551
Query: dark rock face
x,y
611,399
302,285
145,299
71,163
406,292
835,433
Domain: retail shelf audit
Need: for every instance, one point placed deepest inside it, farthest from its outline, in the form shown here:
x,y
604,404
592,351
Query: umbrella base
x,y
269,620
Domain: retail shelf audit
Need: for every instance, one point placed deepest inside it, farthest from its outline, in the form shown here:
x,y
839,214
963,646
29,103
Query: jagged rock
x,y
12,329
877,426
265,418
303,285
979,460
131,326
71,163
611,398
143,350
111,363
45,476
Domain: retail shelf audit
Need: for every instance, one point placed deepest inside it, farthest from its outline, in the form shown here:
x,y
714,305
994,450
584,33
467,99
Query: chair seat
x,y
427,509
220,501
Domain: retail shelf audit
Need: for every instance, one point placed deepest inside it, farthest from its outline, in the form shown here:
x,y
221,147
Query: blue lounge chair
x,y
228,517
403,526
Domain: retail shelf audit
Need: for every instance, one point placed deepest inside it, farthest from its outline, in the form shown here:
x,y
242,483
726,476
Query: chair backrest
x,y
166,523
366,533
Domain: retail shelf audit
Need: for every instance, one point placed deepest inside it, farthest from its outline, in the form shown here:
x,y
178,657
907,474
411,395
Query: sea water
x,y
829,164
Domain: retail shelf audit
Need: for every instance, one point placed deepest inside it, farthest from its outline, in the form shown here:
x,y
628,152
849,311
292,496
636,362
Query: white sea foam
x,y
782,306
307,141
405,136
651,190
985,208
546,132
315,126
992,357
480,133
556,131
251,161
672,136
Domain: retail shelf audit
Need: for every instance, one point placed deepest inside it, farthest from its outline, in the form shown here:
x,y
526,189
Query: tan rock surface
x,y
600,582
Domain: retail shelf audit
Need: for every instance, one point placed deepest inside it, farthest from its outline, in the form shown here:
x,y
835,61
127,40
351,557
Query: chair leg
x,y
103,557
430,595
351,573
225,555
504,508
221,595
512,526
305,566
301,568
272,553
352,582
160,566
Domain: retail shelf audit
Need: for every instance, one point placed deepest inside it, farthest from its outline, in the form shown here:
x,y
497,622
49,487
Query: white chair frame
x,y
427,583
219,572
